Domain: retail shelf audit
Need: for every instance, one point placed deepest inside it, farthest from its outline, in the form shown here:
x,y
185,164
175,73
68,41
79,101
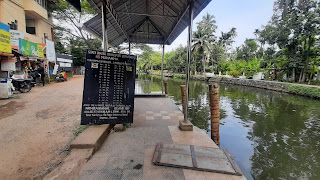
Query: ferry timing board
x,y
108,94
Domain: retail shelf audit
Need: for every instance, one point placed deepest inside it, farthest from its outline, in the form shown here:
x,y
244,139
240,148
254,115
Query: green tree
x,y
203,37
70,37
294,30
248,50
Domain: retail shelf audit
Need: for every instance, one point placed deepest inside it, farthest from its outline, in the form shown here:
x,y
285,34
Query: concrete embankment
x,y
299,89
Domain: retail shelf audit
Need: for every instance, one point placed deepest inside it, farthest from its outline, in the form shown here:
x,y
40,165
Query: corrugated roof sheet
x,y
143,21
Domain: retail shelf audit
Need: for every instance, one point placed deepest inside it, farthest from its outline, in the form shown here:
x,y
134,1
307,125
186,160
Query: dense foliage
x,y
286,49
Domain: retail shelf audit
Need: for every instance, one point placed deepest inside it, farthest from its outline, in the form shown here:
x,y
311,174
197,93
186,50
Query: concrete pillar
x,y
215,112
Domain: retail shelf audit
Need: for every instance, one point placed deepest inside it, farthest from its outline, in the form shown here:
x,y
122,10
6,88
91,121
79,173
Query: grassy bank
x,y
299,89
183,76
305,90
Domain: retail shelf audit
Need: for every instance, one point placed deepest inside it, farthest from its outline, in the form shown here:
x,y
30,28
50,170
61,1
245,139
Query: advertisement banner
x,y
8,64
40,50
15,36
4,27
28,48
51,52
5,39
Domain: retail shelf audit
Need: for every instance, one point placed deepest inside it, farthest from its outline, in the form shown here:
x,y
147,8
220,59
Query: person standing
x,y
41,72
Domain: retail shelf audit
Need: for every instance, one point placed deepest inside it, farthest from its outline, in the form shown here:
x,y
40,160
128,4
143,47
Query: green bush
x,y
304,90
234,73
179,76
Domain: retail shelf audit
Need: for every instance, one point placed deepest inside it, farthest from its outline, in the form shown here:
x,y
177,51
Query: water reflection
x,y
271,135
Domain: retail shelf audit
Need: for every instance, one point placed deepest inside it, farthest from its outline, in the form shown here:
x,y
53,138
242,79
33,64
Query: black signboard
x,y
108,94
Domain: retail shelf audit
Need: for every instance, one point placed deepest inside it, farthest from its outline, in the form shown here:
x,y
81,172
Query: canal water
x,y
271,135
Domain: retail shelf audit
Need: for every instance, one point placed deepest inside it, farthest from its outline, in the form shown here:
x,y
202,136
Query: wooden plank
x,y
218,161
176,159
176,149
217,164
193,156
155,154
233,162
209,152
159,152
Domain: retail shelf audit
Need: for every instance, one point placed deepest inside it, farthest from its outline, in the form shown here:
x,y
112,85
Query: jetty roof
x,y
143,21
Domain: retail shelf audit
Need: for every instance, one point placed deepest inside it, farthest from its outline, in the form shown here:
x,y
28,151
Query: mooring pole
x,y
188,62
166,88
183,96
104,26
215,112
162,68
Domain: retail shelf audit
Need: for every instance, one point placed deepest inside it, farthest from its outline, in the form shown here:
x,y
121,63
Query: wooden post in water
x,y
166,88
183,95
215,114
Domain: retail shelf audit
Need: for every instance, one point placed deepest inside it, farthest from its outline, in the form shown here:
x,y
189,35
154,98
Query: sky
x,y
245,15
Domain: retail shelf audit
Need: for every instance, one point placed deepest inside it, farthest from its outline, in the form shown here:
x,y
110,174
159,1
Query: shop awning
x,y
6,54
148,21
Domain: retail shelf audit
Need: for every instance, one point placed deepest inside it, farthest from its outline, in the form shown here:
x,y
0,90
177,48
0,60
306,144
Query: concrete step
x,y
92,137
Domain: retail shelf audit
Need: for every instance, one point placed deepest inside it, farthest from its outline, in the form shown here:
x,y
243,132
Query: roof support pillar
x,y
129,47
162,68
188,61
104,26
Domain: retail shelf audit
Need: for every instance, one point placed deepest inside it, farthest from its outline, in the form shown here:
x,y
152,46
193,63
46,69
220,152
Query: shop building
x,y
29,17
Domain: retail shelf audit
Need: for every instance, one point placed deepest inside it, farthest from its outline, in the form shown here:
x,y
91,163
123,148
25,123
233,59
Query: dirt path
x,y
37,127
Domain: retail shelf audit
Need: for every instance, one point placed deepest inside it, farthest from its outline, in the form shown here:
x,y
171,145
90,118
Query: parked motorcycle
x,y
22,85
61,76
33,76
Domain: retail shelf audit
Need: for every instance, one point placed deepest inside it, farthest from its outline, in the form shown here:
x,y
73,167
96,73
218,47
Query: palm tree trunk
x,y
311,76
300,78
195,66
294,74
204,66
304,75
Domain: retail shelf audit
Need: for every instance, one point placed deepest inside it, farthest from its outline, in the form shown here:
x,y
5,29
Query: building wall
x,y
11,10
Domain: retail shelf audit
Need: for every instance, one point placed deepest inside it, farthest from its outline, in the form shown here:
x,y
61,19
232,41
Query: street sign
x,y
108,95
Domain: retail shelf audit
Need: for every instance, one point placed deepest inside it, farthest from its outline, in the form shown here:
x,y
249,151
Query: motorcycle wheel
x,y
26,88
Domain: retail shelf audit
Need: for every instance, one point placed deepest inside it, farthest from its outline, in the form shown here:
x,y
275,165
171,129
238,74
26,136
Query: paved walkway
x,y
128,154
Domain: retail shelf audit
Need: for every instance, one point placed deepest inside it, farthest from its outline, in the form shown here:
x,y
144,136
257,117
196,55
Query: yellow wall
x,y
34,7
11,10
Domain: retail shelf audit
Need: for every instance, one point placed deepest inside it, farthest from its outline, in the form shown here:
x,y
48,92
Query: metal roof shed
x,y
143,21
149,22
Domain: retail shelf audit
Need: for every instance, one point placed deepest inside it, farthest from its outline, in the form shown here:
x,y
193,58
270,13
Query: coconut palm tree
x,y
203,37
202,46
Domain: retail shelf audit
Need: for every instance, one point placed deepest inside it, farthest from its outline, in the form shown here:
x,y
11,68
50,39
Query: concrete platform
x,y
128,154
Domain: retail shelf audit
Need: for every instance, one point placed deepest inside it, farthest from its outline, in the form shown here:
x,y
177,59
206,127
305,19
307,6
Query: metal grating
x,y
143,21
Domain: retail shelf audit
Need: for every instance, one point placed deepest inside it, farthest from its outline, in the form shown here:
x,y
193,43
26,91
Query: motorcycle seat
x,y
19,80
28,80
